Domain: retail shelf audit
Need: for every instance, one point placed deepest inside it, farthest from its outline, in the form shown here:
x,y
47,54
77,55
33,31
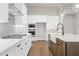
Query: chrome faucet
x,y
61,28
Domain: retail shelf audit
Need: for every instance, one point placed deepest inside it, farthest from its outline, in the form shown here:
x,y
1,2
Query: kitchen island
x,y
68,37
15,47
66,45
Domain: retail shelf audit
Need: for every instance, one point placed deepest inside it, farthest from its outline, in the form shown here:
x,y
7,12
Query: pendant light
x,y
62,15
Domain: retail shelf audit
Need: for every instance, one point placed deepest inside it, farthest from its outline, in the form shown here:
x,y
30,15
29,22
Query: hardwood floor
x,y
40,48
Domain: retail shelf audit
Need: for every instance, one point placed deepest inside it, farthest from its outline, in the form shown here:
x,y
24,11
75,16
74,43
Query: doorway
x,y
41,31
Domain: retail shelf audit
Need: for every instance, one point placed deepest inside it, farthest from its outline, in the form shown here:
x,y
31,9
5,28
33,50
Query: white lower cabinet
x,y
28,48
26,45
19,49
23,50
10,52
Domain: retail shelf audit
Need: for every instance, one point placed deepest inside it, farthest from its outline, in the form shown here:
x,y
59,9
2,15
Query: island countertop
x,y
67,37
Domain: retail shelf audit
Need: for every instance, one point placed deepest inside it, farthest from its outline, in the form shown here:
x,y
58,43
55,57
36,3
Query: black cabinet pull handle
x,y
18,45
21,48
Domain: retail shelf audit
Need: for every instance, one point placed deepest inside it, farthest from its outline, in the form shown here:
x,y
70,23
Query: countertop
x,y
67,37
7,43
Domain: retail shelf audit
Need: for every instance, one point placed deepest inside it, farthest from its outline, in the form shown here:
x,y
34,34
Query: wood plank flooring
x,y
40,48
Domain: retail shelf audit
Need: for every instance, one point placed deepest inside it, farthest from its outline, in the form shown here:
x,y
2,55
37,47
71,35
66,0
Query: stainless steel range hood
x,y
14,10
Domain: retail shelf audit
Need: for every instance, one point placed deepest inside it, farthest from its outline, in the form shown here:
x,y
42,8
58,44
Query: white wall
x,y
76,23
69,23
4,11
52,22
37,18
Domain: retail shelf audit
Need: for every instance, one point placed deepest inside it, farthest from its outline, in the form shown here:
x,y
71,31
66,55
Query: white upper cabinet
x,y
4,12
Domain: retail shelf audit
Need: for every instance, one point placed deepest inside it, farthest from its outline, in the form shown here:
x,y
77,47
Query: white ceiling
x,y
69,8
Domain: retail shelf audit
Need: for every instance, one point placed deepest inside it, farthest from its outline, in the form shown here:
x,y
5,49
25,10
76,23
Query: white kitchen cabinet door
x,y
23,50
18,49
26,45
4,12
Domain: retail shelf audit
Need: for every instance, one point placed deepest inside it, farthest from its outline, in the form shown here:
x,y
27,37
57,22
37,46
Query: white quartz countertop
x,y
66,37
7,43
